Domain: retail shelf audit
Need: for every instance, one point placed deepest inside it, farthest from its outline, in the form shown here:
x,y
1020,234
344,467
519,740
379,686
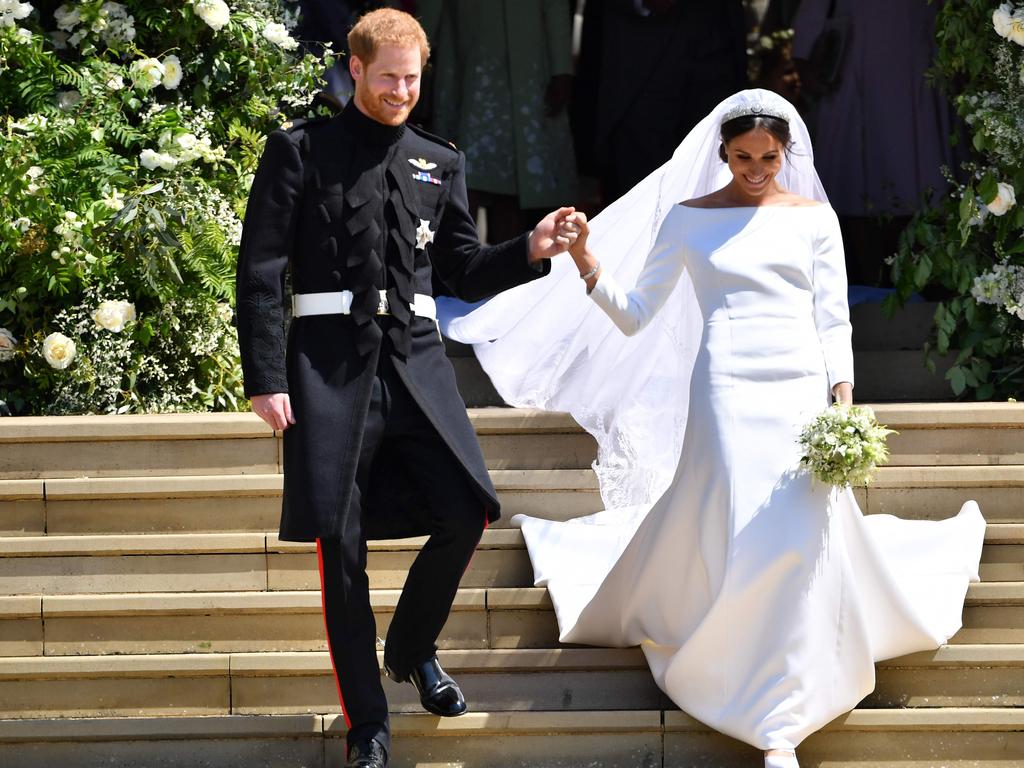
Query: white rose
x,y
186,141
7,345
1002,20
113,315
172,72
58,350
1004,200
1017,27
276,33
96,134
23,36
115,83
214,12
146,73
13,10
34,172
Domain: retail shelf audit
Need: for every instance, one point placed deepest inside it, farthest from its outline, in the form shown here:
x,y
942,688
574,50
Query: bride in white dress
x,y
760,598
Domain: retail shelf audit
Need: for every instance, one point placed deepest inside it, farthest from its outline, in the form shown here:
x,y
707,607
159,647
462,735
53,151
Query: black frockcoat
x,y
338,203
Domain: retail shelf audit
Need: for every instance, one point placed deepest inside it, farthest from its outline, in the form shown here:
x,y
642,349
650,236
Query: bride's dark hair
x,y
777,127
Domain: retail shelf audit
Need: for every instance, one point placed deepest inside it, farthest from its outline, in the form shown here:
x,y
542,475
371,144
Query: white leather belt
x,y
340,303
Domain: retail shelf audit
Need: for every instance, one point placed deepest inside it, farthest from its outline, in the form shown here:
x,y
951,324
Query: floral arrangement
x,y
966,247
844,445
131,131
771,44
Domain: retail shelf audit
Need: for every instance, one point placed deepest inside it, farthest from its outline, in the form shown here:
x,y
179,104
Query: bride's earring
x,y
778,758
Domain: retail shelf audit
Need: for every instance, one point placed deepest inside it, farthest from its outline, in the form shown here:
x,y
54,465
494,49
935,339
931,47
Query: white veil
x,y
547,345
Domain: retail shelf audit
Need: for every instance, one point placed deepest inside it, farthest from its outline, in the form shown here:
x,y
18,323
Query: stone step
x,y
251,502
218,443
989,737
214,444
499,680
218,562
249,622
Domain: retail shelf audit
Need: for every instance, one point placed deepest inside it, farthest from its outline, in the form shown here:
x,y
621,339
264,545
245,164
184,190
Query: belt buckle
x,y
383,306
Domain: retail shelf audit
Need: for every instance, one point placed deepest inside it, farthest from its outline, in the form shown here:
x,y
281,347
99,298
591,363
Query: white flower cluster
x,y
30,125
114,315
844,445
112,23
204,203
1008,22
12,11
34,176
277,34
181,148
147,74
214,12
1003,286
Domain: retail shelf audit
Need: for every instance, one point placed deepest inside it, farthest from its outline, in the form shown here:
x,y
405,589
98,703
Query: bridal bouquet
x,y
844,444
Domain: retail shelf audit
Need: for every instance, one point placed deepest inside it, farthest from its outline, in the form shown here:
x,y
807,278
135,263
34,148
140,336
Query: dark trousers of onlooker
x,y
451,514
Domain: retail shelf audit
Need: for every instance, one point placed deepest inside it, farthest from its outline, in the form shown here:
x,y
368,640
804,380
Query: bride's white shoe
x,y
780,759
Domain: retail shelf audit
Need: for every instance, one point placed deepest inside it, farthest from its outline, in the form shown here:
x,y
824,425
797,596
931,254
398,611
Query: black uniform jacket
x,y
350,203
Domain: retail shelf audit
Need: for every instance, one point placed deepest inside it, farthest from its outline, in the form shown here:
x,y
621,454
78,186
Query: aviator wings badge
x,y
422,164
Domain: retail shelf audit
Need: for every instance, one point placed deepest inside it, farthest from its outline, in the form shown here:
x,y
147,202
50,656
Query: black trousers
x,y
398,437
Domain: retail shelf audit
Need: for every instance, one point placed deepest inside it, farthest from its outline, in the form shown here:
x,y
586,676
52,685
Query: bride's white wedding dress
x,y
761,599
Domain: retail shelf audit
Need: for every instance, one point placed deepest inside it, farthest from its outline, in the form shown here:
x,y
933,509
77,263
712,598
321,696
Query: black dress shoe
x,y
367,754
439,694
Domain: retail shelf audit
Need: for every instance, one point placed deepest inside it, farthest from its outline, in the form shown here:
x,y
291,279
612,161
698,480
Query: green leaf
x,y
957,380
988,188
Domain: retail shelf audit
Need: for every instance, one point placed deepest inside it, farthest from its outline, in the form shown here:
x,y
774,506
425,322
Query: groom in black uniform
x,y
370,215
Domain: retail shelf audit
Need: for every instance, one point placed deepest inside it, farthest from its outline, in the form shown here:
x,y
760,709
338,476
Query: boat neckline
x,y
744,207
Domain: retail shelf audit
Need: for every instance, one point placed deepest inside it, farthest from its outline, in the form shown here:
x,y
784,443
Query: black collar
x,y
368,129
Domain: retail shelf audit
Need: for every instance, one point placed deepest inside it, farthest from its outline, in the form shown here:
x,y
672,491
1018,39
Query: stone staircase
x,y
149,615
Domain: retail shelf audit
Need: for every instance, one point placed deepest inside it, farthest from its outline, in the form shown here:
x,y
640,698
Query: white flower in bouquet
x,y
114,315
7,345
214,12
276,33
146,74
22,36
844,445
12,11
58,350
1004,200
172,72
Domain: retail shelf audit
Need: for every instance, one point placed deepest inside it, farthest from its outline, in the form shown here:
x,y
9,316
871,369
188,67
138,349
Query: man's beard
x,y
373,107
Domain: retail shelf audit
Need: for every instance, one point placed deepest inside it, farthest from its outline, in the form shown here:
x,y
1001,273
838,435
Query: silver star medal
x,y
424,234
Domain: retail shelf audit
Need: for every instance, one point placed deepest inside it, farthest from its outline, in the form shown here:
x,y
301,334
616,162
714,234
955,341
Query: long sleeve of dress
x,y
632,311
831,305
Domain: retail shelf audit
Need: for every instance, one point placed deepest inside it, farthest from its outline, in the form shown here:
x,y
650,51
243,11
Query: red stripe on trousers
x,y
327,631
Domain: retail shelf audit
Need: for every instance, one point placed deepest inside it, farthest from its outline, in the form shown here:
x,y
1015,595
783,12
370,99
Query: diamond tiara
x,y
757,109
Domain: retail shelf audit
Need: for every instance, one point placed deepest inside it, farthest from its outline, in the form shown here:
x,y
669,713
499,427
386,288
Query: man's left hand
x,y
552,235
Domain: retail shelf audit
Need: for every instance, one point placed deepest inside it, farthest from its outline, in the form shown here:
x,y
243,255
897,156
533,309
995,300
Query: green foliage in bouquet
x,y
844,445
968,245
131,131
